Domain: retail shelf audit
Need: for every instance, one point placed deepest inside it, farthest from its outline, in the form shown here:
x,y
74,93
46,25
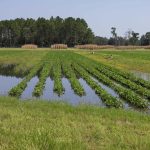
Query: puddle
x,y
113,93
69,95
105,87
27,94
145,76
7,83
90,96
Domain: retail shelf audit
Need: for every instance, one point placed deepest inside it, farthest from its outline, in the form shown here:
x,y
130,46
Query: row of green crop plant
x,y
127,75
59,60
18,90
116,71
70,74
124,93
125,82
45,72
57,75
109,100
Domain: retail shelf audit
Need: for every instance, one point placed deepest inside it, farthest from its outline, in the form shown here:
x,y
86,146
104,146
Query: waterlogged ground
x,y
67,76
69,96
41,124
7,83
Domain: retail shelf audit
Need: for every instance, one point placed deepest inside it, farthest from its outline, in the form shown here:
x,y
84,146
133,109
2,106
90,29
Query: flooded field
x,y
90,97
69,77
69,96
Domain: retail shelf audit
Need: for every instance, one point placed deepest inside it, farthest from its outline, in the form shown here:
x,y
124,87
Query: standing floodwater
x,y
69,95
145,76
27,94
7,83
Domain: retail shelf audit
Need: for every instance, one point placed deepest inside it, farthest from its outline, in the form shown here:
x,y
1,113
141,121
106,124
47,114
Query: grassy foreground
x,y
40,125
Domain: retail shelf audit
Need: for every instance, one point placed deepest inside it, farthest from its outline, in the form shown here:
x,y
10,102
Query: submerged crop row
x,y
73,66
127,83
128,76
107,98
124,93
70,74
57,75
42,79
17,90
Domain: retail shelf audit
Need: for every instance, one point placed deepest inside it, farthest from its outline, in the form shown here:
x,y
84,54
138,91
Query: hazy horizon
x,y
100,15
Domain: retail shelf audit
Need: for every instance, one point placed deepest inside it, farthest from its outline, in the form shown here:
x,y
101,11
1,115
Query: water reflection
x,y
126,105
69,95
105,87
145,76
7,83
90,96
27,94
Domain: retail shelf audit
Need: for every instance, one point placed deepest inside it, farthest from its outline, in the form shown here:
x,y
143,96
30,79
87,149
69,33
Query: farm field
x,y
70,80
129,60
49,120
130,91
23,59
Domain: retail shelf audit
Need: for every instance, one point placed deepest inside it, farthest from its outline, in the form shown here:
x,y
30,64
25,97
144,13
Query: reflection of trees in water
x,y
11,70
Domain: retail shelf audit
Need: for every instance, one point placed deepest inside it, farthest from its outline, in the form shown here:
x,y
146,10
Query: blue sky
x,y
101,15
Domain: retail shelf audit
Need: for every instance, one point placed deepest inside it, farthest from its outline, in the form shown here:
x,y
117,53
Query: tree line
x,y
131,38
44,32
71,31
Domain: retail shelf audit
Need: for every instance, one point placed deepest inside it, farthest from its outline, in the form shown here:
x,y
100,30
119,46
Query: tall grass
x,y
39,125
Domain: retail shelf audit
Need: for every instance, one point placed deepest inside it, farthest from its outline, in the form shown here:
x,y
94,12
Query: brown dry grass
x,y
131,47
29,46
94,47
87,46
59,46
